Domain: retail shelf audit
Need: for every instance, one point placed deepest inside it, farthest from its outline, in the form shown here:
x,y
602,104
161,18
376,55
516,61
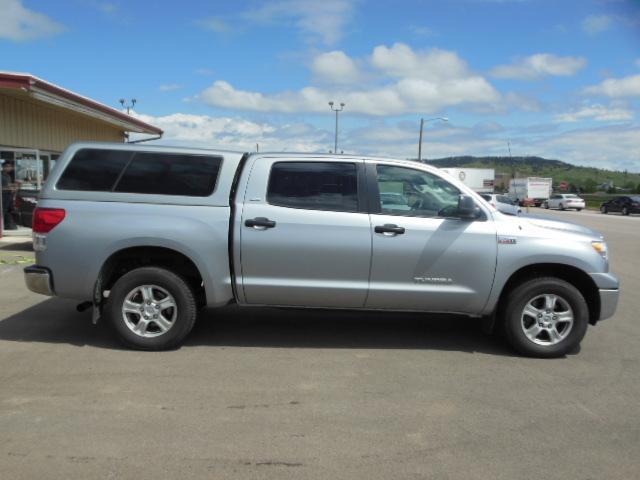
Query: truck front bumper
x,y
609,290
608,303
39,280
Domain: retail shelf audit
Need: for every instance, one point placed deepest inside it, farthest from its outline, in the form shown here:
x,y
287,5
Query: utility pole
x,y
337,110
422,122
513,168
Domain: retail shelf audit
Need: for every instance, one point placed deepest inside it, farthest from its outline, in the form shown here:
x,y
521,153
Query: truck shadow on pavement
x,y
57,321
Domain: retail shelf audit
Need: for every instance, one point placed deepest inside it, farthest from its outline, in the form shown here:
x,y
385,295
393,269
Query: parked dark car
x,y
24,205
624,205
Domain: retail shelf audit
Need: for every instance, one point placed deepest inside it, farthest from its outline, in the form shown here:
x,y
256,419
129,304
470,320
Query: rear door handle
x,y
260,222
389,228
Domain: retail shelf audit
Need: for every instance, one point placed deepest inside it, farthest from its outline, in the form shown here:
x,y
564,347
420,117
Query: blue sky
x,y
559,79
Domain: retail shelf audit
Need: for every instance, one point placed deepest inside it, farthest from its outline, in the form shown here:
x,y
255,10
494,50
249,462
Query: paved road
x,y
290,394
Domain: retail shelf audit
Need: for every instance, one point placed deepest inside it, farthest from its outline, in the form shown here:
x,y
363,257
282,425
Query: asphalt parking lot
x,y
293,394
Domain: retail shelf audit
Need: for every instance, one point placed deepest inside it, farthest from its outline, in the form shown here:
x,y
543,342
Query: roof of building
x,y
44,91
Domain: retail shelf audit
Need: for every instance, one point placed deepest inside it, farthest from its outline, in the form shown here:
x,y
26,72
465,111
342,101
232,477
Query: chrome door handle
x,y
260,222
389,228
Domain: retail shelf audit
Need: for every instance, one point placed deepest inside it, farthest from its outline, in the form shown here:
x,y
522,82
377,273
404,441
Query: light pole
x,y
337,110
422,122
128,107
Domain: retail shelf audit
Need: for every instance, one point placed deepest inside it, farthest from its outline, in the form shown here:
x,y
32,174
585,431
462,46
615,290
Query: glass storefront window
x,y
28,171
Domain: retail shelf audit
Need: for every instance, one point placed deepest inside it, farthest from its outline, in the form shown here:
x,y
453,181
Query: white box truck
x,y
482,180
530,190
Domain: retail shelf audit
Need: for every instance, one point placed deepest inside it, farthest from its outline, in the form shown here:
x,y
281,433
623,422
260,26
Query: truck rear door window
x,y
170,174
331,186
94,170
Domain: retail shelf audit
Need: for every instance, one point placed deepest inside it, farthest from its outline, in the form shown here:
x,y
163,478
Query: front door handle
x,y
260,222
389,228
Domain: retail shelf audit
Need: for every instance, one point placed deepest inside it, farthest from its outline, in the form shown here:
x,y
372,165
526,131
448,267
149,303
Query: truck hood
x,y
563,226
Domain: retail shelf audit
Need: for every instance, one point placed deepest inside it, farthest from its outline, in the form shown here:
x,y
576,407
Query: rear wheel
x,y
625,211
546,205
603,209
578,209
561,206
151,309
545,317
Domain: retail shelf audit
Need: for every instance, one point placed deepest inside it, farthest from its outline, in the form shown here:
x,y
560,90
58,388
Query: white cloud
x,y
598,112
206,72
18,23
216,24
594,24
335,67
402,61
616,147
540,65
422,31
411,82
170,87
237,133
617,87
608,147
323,21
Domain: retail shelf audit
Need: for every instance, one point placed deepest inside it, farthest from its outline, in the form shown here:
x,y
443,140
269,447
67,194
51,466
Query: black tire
x,y
561,207
521,295
604,209
546,205
578,209
178,288
625,211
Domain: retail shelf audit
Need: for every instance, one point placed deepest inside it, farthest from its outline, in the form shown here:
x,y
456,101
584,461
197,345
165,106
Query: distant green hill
x,y
586,178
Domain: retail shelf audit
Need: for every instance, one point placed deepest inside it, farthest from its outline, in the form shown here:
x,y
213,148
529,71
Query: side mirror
x,y
467,207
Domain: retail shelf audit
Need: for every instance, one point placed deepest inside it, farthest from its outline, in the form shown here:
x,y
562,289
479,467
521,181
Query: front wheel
x,y
604,209
151,309
546,205
561,207
578,209
545,317
625,211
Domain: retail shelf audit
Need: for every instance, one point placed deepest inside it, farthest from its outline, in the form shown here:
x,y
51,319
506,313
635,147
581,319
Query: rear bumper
x,y
39,280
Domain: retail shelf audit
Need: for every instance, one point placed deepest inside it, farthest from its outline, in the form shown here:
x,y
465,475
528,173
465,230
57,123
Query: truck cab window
x,y
415,193
328,186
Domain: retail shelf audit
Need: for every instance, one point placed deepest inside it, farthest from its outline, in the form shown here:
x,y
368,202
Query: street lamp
x,y
128,107
422,122
337,110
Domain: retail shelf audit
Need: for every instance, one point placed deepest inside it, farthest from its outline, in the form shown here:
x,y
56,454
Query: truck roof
x,y
176,148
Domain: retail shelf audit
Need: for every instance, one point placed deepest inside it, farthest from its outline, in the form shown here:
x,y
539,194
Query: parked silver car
x,y
503,203
147,235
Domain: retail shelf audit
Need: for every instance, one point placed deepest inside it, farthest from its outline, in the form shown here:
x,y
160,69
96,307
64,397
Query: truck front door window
x,y
410,192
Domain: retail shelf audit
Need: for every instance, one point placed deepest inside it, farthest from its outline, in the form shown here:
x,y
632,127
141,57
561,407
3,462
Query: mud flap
x,y
96,313
489,323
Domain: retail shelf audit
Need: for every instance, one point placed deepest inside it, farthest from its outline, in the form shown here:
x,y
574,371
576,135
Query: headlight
x,y
600,247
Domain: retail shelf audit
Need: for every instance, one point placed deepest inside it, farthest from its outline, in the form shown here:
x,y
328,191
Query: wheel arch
x,y
570,274
129,258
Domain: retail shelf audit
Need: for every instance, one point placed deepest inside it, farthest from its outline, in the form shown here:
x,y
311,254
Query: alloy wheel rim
x,y
149,311
547,319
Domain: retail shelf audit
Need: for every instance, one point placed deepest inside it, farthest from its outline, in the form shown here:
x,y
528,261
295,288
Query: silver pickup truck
x,y
147,236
